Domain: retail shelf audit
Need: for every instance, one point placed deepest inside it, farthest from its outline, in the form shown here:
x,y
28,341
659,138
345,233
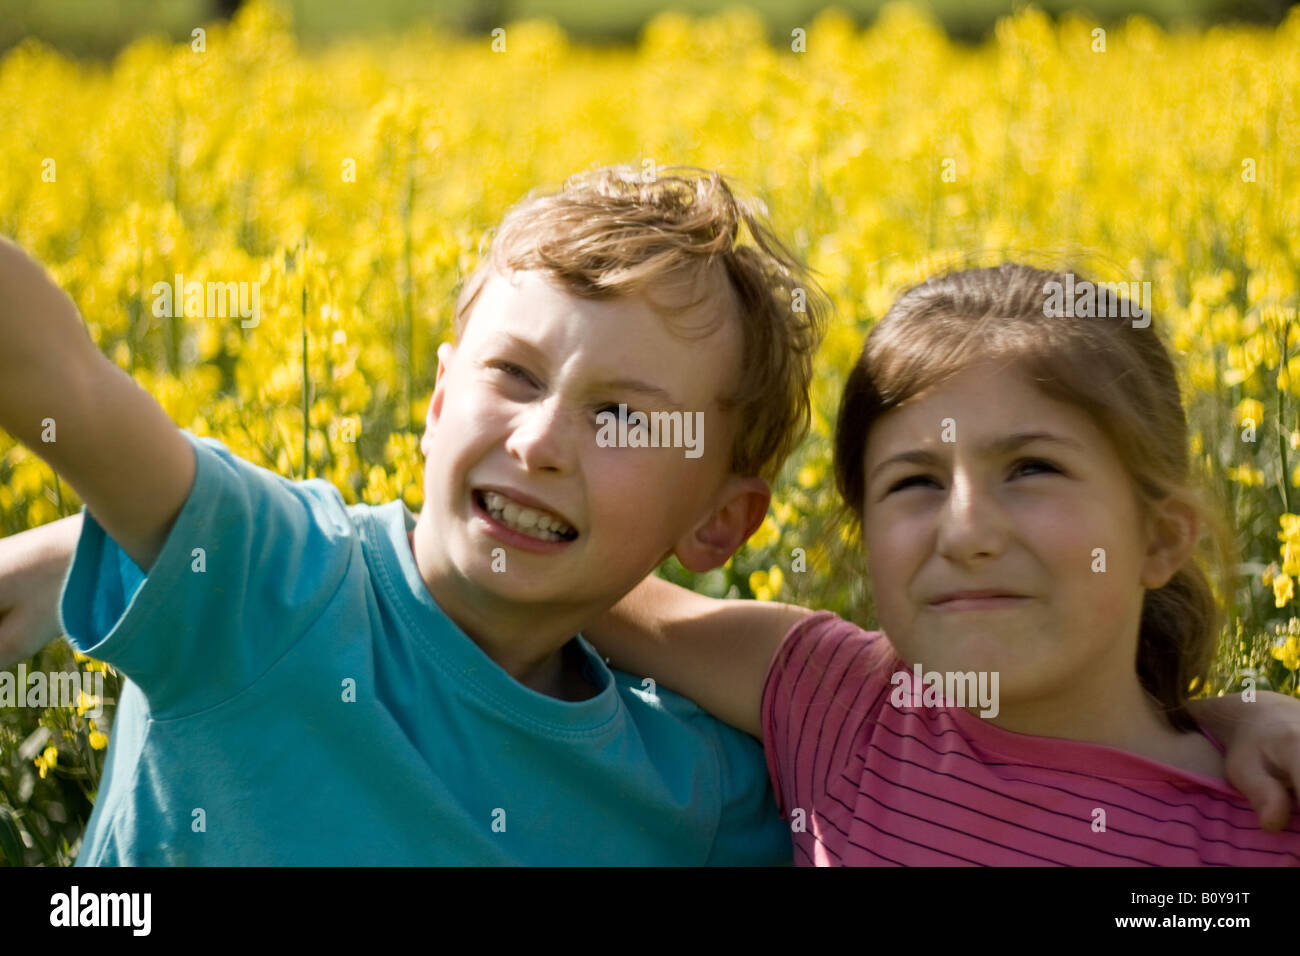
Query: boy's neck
x,y
541,655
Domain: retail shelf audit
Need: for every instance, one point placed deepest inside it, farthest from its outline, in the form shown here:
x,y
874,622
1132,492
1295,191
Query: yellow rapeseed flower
x,y
86,702
1283,589
1289,653
775,579
1249,409
47,760
767,534
1247,475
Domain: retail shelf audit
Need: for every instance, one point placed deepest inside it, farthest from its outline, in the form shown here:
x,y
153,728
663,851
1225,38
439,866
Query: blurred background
x,y
101,27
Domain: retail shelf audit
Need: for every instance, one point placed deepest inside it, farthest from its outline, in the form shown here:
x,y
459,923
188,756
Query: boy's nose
x,y
542,439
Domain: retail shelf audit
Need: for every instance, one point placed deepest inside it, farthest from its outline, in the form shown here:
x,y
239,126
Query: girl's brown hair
x,y
1117,371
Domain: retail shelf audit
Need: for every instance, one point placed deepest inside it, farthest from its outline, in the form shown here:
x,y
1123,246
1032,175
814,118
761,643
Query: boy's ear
x,y
446,351
742,505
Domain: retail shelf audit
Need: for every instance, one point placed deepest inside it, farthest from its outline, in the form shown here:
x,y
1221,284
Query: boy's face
x,y
513,422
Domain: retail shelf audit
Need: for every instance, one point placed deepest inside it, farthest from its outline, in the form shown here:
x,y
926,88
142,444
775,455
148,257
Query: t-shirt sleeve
x,y
750,829
824,681
251,561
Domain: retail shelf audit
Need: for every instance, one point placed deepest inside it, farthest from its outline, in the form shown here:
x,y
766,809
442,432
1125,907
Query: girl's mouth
x,y
978,604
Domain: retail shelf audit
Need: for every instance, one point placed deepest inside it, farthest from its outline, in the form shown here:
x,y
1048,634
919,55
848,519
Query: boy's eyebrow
x,y
509,338
636,385
617,384
998,446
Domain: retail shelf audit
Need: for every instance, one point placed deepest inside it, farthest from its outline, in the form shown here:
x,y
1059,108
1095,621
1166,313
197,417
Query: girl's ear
x,y
1173,529
742,505
446,352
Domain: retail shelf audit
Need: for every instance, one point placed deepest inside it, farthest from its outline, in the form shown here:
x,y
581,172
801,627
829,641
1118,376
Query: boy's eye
x,y
620,412
514,371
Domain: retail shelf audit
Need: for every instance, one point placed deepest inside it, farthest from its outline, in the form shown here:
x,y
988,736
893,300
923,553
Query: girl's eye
x,y
906,482
1038,463
1019,466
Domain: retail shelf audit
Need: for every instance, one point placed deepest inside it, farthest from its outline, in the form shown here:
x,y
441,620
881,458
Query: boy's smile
x,y
522,521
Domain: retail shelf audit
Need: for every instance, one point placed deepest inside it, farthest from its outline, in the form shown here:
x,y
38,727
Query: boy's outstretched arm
x,y
33,566
713,651
111,440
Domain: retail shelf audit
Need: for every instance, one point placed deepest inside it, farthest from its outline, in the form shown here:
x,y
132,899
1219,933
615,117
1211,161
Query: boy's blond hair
x,y
609,234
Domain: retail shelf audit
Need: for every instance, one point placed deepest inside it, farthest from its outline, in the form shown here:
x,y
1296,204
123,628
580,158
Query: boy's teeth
x,y
516,516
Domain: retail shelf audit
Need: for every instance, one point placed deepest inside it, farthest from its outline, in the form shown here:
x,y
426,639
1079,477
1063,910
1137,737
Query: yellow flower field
x,y
355,183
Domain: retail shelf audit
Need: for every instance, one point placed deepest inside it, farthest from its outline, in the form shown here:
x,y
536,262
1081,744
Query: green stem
x,y
306,404
1281,430
408,296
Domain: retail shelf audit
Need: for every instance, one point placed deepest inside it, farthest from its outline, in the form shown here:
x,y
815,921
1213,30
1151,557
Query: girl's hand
x,y
33,566
1262,739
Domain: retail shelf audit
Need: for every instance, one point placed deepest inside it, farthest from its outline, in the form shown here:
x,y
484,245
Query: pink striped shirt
x,y
940,786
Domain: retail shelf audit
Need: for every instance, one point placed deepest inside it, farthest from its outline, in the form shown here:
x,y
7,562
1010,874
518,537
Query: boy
x,y
317,684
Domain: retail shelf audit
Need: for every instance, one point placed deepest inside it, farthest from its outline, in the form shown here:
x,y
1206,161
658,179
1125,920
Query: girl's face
x,y
985,484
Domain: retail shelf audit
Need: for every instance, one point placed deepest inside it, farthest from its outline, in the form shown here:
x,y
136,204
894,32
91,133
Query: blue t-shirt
x,y
295,697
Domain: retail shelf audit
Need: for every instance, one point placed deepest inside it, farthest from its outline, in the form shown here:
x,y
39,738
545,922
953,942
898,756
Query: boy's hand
x,y
84,416
33,566
1262,740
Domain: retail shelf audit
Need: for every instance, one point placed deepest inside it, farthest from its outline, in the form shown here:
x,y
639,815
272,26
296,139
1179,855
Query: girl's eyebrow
x,y
996,447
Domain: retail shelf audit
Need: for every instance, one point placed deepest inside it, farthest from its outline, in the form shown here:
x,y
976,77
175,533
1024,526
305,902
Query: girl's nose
x,y
971,522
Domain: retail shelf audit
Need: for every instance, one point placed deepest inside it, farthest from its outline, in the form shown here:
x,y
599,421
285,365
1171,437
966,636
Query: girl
x,y
1021,482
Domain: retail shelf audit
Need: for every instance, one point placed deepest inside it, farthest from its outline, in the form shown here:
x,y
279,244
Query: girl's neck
x,y
1126,719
